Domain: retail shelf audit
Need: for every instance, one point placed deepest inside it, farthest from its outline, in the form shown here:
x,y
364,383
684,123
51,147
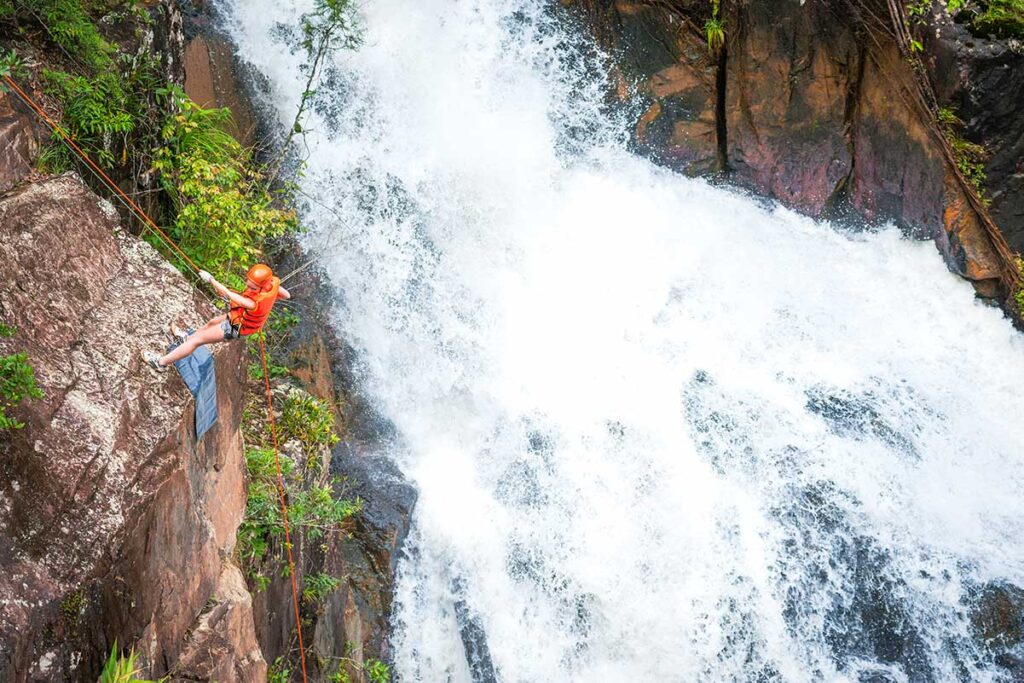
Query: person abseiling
x,y
249,311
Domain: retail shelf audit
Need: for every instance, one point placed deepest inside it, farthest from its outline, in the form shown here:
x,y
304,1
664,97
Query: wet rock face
x,y
998,620
792,72
114,522
982,80
804,106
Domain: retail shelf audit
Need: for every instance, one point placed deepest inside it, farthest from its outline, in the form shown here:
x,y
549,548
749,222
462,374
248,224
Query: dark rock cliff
x,y
817,105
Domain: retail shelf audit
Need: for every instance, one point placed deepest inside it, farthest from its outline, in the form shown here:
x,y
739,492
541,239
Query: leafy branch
x,y
330,27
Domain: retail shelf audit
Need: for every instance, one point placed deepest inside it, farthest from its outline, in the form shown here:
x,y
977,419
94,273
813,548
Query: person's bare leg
x,y
212,322
204,335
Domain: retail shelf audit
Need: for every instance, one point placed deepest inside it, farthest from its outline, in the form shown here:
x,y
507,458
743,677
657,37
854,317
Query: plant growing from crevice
x,y
714,29
10,65
319,586
376,671
17,383
121,669
1018,296
313,510
970,157
918,10
308,419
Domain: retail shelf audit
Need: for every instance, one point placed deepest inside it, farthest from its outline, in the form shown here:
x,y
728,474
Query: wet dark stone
x,y
474,638
856,416
998,616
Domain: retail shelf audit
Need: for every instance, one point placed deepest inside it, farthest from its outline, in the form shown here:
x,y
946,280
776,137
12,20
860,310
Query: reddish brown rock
x,y
222,644
18,144
791,69
815,105
114,522
211,81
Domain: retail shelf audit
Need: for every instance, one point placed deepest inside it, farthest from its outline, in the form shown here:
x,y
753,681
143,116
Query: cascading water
x,y
661,431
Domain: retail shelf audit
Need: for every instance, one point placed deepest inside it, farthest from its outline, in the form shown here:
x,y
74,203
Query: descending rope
x,y
284,510
149,223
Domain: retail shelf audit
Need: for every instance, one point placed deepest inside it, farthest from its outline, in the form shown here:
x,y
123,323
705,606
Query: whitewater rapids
x,y
661,431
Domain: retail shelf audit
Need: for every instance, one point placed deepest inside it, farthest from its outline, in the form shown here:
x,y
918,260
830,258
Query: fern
x,y
70,26
95,110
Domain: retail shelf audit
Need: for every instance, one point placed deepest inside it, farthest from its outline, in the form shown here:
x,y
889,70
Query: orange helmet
x,y
260,273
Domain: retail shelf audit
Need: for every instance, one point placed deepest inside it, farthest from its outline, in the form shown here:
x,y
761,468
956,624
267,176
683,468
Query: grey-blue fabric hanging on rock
x,y
197,371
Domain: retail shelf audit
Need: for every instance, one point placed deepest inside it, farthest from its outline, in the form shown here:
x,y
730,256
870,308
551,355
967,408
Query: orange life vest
x,y
250,321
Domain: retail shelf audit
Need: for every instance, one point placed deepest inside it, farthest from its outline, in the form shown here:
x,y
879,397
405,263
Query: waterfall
x,y
662,431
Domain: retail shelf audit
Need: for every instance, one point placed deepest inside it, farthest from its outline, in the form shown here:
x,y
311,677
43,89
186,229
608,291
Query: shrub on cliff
x,y
224,211
17,383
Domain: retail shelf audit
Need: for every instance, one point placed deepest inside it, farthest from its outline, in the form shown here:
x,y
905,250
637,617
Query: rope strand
x,y
284,508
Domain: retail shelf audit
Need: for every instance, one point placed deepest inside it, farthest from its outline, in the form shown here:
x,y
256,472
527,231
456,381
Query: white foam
x,y
601,375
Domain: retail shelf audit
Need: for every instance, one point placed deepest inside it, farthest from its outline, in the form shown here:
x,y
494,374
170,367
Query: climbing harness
x,y
149,223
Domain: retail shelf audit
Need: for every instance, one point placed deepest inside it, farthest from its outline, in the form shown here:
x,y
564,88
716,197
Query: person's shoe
x,y
153,361
178,335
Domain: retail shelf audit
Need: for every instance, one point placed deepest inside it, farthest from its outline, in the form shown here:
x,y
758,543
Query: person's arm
x,y
234,297
283,293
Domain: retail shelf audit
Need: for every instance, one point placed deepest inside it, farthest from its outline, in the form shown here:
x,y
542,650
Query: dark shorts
x,y
230,331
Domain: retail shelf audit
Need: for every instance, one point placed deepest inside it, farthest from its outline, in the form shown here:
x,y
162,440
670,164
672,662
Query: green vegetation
x,y
17,383
313,510
318,586
376,671
120,669
10,65
1018,296
918,10
72,606
1001,18
105,94
330,27
256,370
68,24
96,110
225,212
970,157
714,29
309,420
279,672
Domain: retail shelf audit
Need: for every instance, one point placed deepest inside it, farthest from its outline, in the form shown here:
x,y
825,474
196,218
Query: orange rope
x,y
263,354
284,509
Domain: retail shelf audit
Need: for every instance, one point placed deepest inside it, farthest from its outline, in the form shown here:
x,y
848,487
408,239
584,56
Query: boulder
x,y
114,522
